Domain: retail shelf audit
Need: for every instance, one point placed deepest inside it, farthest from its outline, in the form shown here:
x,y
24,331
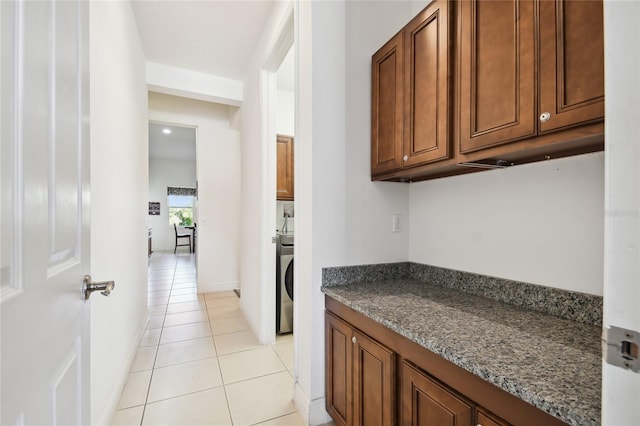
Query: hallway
x,y
198,362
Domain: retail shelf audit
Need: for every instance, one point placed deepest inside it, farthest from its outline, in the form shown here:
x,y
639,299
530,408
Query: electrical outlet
x,y
395,227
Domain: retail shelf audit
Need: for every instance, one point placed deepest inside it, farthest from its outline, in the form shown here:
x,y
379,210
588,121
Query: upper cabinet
x,y
497,73
427,98
490,83
411,99
571,63
386,107
284,181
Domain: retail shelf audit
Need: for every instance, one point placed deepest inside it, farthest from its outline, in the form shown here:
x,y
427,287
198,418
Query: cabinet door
x,y
284,181
571,63
373,383
484,418
386,107
427,85
427,403
338,369
497,78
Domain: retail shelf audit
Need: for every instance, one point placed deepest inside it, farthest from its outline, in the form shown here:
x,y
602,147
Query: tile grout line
x,y
157,346
215,348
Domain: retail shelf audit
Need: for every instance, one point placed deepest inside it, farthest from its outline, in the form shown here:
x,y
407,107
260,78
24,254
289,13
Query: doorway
x,y
173,197
285,195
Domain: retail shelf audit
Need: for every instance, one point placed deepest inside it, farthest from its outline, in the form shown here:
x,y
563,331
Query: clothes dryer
x,y
284,284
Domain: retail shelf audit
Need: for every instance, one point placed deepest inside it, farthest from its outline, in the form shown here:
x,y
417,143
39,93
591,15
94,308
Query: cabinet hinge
x,y
621,348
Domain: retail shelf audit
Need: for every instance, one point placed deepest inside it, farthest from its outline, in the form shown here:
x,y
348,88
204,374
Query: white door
x,y
621,386
45,216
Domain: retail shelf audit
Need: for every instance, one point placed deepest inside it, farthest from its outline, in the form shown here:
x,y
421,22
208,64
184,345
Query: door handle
x,y
89,286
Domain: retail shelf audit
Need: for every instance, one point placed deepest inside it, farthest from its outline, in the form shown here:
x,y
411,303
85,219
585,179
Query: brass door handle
x,y
89,286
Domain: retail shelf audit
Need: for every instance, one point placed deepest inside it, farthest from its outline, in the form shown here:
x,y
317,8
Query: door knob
x,y
89,286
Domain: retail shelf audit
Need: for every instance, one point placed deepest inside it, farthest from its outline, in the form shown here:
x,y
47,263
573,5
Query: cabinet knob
x,y
405,158
353,339
544,117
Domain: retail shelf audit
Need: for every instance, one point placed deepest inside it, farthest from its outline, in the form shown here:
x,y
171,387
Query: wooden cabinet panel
x,y
360,376
497,78
474,77
427,74
338,377
386,107
284,181
430,391
571,62
373,383
427,403
484,418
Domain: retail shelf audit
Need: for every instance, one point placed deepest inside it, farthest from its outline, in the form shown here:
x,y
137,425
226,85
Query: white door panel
x,y
45,228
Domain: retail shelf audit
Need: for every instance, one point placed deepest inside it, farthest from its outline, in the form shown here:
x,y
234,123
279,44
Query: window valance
x,y
181,191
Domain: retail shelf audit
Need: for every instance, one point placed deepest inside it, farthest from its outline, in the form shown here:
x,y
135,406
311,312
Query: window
x,y
180,209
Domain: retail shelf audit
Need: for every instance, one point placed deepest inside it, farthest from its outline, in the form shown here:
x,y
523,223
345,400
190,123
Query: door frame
x,y
268,113
621,292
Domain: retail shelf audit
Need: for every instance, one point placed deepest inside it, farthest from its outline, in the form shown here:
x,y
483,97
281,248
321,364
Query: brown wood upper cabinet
x,y
499,88
497,73
487,83
410,109
571,63
284,182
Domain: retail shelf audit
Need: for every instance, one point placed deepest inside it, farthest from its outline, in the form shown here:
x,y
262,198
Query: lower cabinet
x,y
389,380
360,376
427,403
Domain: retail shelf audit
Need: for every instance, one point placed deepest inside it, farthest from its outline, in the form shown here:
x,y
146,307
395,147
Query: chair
x,y
178,236
195,236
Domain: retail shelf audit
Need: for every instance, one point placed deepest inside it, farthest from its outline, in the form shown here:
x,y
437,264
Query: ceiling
x,y
215,37
179,145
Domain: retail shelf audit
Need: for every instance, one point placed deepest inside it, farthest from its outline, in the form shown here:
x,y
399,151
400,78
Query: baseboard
x,y
114,398
313,412
219,286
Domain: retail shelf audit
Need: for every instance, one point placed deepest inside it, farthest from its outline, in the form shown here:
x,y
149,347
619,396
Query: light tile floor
x,y
199,364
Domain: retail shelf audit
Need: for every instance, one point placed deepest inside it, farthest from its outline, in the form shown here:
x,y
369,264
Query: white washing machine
x,y
284,284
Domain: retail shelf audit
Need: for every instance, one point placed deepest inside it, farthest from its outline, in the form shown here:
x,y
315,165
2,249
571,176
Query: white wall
x,y
258,201
540,223
285,113
370,206
285,125
119,152
563,218
162,174
341,217
218,174
321,198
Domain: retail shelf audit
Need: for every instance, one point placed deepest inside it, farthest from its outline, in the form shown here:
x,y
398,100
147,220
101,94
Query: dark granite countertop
x,y
552,363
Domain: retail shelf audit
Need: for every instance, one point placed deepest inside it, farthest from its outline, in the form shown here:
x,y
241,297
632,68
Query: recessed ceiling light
x,y
166,131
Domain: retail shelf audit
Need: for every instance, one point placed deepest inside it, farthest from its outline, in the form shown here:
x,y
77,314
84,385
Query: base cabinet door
x,y
484,418
427,403
360,376
338,355
373,382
